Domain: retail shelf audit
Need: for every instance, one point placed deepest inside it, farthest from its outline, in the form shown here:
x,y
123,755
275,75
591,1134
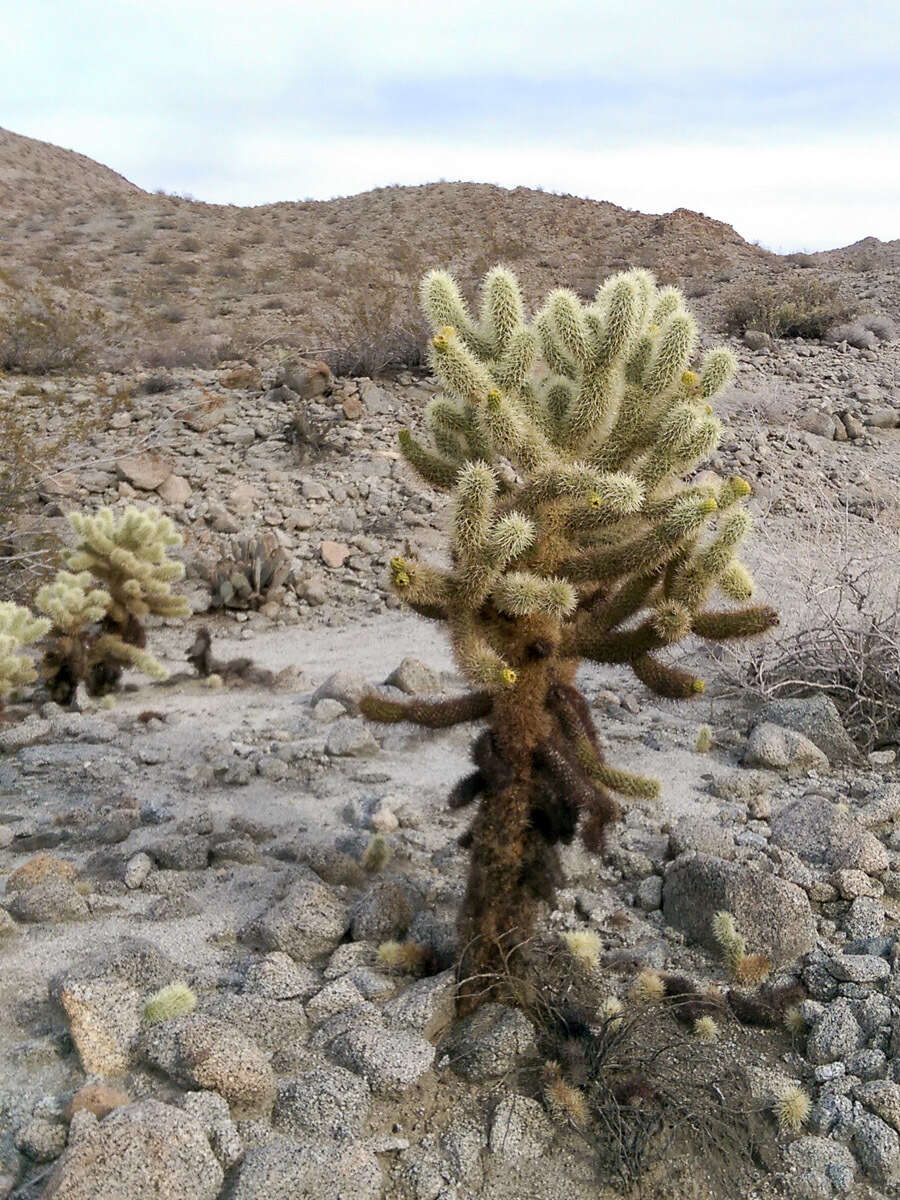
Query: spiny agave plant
x,y
119,573
567,445
255,570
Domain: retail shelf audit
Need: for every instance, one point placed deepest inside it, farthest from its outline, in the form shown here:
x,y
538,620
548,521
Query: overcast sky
x,y
781,117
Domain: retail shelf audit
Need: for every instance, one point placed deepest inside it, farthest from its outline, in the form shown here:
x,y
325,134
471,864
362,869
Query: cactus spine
x,y
598,548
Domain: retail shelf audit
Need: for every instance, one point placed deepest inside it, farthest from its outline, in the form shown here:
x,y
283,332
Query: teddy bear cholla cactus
x,y
98,629
18,629
566,444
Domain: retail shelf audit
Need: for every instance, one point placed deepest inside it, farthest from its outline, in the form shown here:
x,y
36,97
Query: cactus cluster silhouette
x,y
568,444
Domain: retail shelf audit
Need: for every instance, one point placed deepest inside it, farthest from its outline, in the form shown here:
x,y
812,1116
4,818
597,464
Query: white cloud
x,y
779,119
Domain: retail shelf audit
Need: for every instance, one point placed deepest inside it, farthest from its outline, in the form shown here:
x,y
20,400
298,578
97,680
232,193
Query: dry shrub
x,y
39,335
805,306
42,434
646,1097
383,327
839,583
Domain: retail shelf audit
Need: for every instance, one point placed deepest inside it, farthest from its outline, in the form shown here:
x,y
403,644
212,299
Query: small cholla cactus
x,y
744,968
704,741
18,630
411,958
175,1000
567,446
792,1108
584,946
376,855
648,988
794,1021
79,648
566,1103
610,1011
128,556
706,1029
118,573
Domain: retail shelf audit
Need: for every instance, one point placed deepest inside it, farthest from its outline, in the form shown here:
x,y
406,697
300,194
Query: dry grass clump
x,y
804,306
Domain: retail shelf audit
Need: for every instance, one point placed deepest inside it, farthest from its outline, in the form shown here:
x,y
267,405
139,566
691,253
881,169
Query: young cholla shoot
x,y
18,629
566,444
119,572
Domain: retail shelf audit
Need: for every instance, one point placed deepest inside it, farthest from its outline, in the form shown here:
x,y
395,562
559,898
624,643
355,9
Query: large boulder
x,y
309,921
820,832
817,718
200,1052
103,998
780,749
772,914
314,1169
145,1151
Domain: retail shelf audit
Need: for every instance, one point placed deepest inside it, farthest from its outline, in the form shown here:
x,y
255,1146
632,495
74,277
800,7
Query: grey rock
x,y
755,339
144,1151
382,913
877,1147
859,968
865,918
201,1052
344,686
51,900
176,852
818,719
103,998
211,1110
831,1114
781,749
335,997
867,1065
819,832
414,677
137,868
820,423
41,1140
314,1169
520,1128
327,1101
882,808
487,1044
702,835
391,1060
350,737
649,893
311,920
271,1023
882,1097
774,915
819,1154
426,1006
835,1036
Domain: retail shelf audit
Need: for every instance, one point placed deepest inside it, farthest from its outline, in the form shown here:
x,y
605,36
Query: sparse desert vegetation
x,y
230,937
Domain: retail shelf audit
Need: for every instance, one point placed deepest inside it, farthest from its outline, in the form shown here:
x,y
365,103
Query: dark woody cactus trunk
x,y
594,547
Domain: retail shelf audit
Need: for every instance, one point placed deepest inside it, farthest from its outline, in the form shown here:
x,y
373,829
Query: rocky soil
x,y
215,836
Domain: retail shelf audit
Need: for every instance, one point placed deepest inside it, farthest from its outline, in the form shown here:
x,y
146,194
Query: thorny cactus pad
x,y
567,445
